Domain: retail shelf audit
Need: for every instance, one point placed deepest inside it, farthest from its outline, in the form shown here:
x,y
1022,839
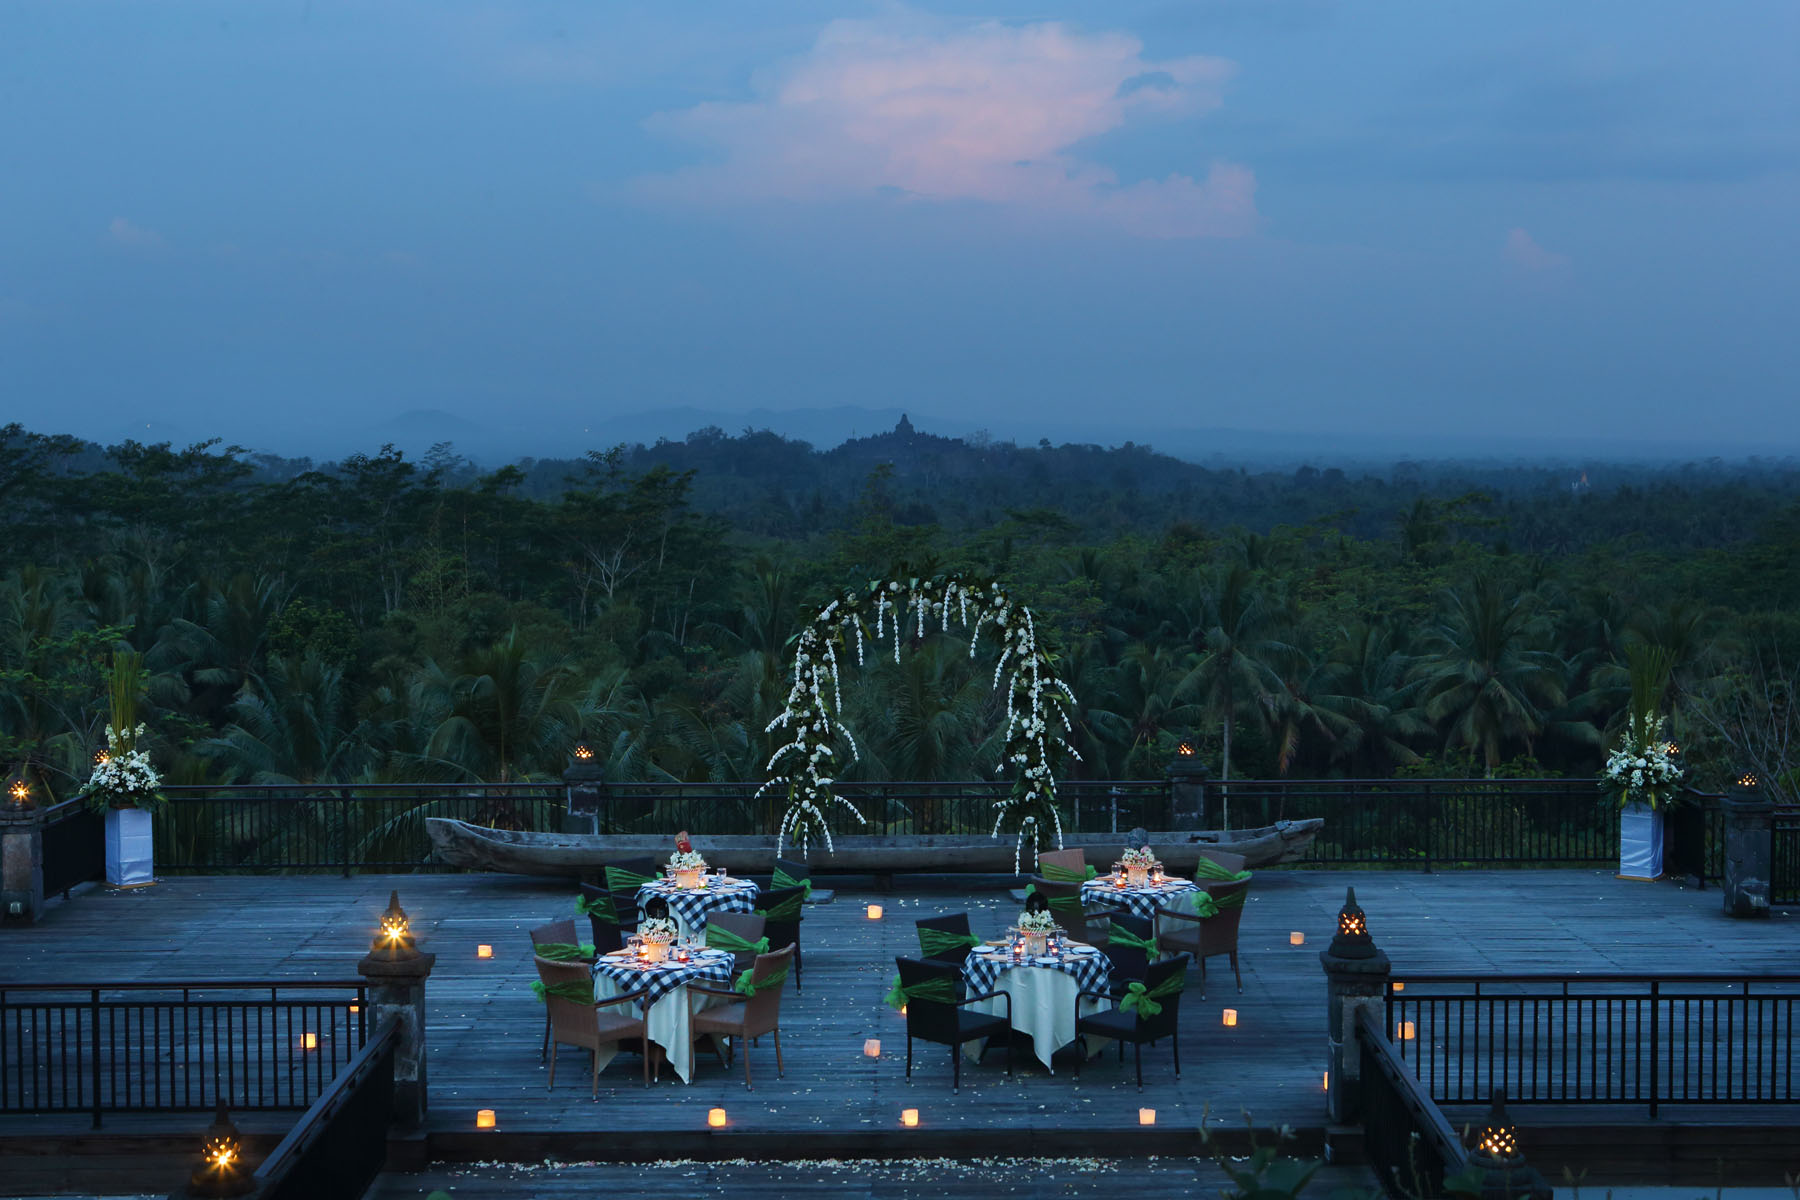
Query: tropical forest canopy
x,y
385,619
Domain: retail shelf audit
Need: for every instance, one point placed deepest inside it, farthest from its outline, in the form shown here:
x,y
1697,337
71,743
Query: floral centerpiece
x,y
1036,928
656,933
124,785
123,775
687,868
1137,865
1642,776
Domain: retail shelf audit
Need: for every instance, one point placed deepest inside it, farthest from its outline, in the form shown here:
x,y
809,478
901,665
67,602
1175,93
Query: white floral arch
x,y
1035,697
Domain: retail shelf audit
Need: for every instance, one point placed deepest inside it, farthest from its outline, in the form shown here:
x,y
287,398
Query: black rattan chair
x,y
1133,1026
950,1024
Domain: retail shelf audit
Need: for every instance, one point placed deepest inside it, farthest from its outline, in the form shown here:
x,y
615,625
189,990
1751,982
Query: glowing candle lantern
x,y
872,1047
715,1117
909,1117
1146,1116
1230,1016
484,951
1406,1031
1327,1084
309,1041
1399,987
874,912
1296,938
484,1118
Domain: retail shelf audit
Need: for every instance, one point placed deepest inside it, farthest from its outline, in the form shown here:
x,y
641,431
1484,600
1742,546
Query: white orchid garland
x,y
1036,701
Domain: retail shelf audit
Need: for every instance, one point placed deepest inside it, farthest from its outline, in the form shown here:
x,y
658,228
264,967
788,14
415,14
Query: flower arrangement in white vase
x,y
687,868
124,784
655,935
1036,928
1643,778
1137,865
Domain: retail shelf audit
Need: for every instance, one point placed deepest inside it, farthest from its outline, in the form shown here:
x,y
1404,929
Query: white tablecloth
x,y
1043,1005
670,1017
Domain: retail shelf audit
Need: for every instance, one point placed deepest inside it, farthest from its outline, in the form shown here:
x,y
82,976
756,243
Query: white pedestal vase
x,y
130,854
1640,842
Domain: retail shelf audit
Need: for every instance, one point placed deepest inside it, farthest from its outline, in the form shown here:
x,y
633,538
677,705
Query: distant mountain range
x,y
497,441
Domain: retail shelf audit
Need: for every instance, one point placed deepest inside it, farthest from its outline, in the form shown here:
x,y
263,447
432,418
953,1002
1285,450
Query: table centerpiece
x,y
1137,865
1036,928
655,935
687,869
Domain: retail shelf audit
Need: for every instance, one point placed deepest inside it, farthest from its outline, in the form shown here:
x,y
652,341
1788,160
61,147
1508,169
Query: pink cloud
x,y
127,233
1522,251
987,112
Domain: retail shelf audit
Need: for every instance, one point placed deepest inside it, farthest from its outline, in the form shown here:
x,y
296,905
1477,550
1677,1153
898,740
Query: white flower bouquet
x,y
1037,922
1143,857
124,776
687,860
657,930
1642,768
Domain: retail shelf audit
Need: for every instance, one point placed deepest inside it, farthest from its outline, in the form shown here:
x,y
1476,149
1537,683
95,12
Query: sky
x,y
1532,223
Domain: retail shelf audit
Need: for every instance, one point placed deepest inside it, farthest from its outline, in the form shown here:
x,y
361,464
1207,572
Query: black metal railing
x,y
175,1046
966,807
340,1145
1599,1038
1408,1142
74,846
377,827
1784,866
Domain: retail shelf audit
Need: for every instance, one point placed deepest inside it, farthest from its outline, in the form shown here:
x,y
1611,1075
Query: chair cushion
x,y
723,1019
971,1025
614,1026
1113,1023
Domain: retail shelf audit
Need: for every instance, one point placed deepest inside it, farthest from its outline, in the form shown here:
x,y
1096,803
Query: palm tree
x,y
295,726
505,714
1136,705
1238,636
1363,681
1487,680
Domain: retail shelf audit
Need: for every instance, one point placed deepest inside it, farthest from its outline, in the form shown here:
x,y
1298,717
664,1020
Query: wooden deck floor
x,y
485,1025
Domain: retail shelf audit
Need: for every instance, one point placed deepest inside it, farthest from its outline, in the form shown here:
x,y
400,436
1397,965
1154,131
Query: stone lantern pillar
x,y
1187,777
21,853
1749,848
1356,976
584,783
395,972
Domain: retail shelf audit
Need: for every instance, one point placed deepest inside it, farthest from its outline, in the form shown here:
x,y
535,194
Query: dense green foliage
x,y
381,618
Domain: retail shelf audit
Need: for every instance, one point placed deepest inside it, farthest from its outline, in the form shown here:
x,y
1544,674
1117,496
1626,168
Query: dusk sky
x,y
1561,223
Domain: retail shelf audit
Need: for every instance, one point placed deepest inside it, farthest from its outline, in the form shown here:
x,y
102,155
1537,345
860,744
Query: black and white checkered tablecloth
x,y
659,979
1140,902
1092,969
690,905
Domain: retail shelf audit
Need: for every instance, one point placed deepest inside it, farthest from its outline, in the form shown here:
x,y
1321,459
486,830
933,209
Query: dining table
x,y
1143,900
667,1006
689,907
1045,991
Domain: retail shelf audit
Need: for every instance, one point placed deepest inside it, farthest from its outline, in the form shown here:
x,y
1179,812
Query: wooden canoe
x,y
572,855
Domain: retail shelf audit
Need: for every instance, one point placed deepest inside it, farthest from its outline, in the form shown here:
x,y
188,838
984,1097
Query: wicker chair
x,y
1224,859
1135,1027
1128,962
950,1024
1207,937
609,935
619,884
953,923
554,934
1065,904
748,926
1074,861
780,910
576,1024
746,1018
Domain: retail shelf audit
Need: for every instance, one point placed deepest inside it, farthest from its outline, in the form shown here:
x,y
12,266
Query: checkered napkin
x,y
1140,902
1092,969
692,904
659,979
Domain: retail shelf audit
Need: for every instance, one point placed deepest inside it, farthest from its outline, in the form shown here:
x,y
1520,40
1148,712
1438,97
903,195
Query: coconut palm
x,y
506,714
1239,636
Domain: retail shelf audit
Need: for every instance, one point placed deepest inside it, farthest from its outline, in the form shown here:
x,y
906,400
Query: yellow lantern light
x,y
1497,1145
1230,1016
874,912
715,1118
1185,749
909,1117
583,751
1327,1084
484,951
872,1047
1747,779
1406,1031
309,1041
20,791
1296,938
221,1169
1146,1116
1399,986
484,1118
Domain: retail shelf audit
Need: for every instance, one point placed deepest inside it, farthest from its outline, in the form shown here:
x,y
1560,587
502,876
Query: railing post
x,y
395,972
1749,849
21,862
344,828
1655,1045
1356,977
94,1050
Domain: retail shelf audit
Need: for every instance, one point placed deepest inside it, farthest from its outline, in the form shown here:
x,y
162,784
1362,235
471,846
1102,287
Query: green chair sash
x,y
1144,1001
618,879
1057,873
1205,905
1206,868
600,906
936,943
941,990
787,910
1117,935
781,881
565,951
724,939
574,989
749,987
1059,903
1234,900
